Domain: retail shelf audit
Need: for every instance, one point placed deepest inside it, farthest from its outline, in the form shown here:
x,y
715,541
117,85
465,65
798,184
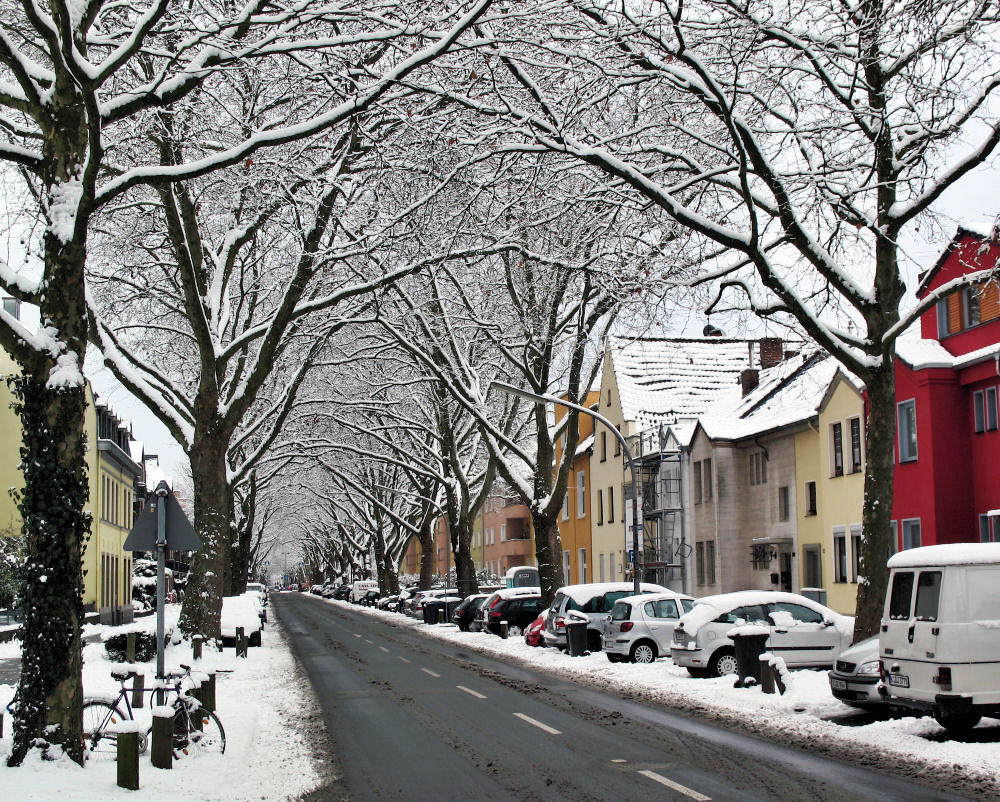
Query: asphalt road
x,y
412,718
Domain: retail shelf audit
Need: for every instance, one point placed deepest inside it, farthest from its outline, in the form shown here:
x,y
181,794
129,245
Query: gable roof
x,y
978,231
664,379
788,393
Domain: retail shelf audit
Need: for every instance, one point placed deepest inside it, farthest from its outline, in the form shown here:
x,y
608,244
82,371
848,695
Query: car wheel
x,y
723,663
698,673
957,722
643,652
255,638
614,658
514,631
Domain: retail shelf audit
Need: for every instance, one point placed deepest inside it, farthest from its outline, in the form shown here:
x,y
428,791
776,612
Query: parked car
x,y
940,635
416,606
465,613
855,676
388,602
804,633
640,628
241,611
370,597
519,610
534,635
260,588
594,600
483,615
257,588
360,588
342,593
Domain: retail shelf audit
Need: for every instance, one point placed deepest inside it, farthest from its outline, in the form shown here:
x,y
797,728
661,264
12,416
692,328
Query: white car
x,y
802,632
640,628
594,600
242,611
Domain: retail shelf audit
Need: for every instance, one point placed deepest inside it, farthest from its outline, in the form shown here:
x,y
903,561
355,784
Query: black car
x,y
342,593
465,613
517,611
369,599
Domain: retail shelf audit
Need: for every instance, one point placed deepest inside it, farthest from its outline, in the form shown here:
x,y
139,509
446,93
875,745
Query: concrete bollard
x,y
504,630
196,646
441,616
162,748
241,643
138,689
128,760
766,675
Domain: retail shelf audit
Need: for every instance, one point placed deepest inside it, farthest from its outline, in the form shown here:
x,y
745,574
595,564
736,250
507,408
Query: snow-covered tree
x,y
78,83
795,142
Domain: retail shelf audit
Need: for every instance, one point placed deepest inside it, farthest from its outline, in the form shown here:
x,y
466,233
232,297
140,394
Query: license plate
x,y
899,680
838,685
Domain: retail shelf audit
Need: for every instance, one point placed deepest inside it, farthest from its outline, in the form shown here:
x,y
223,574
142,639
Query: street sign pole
x,y
161,581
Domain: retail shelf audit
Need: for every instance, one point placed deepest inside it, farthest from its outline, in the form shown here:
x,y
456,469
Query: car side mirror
x,y
827,622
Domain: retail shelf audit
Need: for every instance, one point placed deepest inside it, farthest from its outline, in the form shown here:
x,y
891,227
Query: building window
x,y
618,443
705,561
979,411
839,555
565,506
760,556
893,538
855,551
943,326
907,430
854,424
581,494
503,532
810,498
611,504
783,503
566,574
600,507
991,409
813,566
970,306
757,468
706,467
911,533
582,565
609,397
989,528
601,563
604,446
837,449
697,482
611,566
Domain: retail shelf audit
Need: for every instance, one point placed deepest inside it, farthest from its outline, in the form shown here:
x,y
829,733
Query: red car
x,y
534,634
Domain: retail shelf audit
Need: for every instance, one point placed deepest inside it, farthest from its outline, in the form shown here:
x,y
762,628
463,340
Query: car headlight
x,y
871,667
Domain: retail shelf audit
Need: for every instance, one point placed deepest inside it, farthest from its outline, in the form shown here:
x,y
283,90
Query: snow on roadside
x,y
263,711
799,714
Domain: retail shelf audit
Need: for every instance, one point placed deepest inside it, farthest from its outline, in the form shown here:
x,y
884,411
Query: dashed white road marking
x,y
681,789
536,723
370,642
470,691
618,760
384,649
356,635
428,671
404,659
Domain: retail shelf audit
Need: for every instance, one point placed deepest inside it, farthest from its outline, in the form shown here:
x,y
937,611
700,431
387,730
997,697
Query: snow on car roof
x,y
947,554
708,608
509,593
581,594
647,597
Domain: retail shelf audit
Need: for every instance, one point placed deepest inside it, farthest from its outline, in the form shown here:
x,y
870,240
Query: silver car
x,y
640,628
595,601
855,676
804,633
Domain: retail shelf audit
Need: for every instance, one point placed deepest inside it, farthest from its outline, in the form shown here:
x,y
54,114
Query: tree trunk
x,y
880,442
213,515
548,554
49,694
465,568
426,539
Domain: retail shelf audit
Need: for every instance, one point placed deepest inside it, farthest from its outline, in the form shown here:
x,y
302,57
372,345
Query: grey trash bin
x,y
576,638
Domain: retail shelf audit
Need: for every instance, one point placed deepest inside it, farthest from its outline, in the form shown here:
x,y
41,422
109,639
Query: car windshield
x,y
687,604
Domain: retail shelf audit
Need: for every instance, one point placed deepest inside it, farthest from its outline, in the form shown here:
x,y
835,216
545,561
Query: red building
x,y
947,486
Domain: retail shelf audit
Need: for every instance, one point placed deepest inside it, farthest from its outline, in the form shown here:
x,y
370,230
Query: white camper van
x,y
940,637
361,587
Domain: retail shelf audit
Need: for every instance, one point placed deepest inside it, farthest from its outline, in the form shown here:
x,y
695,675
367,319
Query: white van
x,y
361,587
939,643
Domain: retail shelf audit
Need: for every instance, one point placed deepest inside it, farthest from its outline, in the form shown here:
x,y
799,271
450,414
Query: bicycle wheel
x,y
99,720
198,732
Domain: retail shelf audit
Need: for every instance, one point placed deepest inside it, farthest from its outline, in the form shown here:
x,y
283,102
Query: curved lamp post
x,y
551,399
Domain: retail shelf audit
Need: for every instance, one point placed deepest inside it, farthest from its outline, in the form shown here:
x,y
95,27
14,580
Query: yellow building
x,y
575,531
829,556
112,474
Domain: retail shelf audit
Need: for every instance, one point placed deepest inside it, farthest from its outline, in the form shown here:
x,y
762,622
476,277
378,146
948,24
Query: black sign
x,y
180,534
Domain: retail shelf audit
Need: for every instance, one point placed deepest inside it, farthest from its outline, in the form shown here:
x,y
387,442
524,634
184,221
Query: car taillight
x,y
560,622
943,678
626,626
881,670
495,614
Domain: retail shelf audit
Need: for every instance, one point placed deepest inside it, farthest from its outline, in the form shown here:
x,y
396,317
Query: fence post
x,y
128,760
138,689
162,748
207,690
130,647
241,643
504,629
766,674
441,616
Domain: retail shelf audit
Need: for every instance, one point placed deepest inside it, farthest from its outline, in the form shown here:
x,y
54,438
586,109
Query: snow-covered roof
x,y
662,379
788,393
136,450
581,594
584,445
947,554
708,608
921,354
983,231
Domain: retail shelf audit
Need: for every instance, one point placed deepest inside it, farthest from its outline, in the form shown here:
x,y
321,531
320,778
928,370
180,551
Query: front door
x,y
785,566
800,635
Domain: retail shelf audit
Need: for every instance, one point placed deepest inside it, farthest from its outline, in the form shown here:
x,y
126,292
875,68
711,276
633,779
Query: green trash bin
x,y
576,636
749,642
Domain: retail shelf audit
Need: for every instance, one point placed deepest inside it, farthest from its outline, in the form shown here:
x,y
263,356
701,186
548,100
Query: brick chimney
x,y
749,379
772,351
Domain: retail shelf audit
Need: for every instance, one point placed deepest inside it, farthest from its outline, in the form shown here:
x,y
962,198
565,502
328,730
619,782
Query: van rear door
x,y
908,643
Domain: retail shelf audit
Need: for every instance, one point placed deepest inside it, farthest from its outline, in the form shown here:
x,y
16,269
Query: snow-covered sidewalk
x,y
799,716
264,703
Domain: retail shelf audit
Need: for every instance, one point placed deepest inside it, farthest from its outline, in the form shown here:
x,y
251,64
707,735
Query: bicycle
x,y
194,727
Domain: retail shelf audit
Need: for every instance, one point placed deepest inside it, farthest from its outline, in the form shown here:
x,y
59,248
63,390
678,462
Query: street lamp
x,y
551,399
